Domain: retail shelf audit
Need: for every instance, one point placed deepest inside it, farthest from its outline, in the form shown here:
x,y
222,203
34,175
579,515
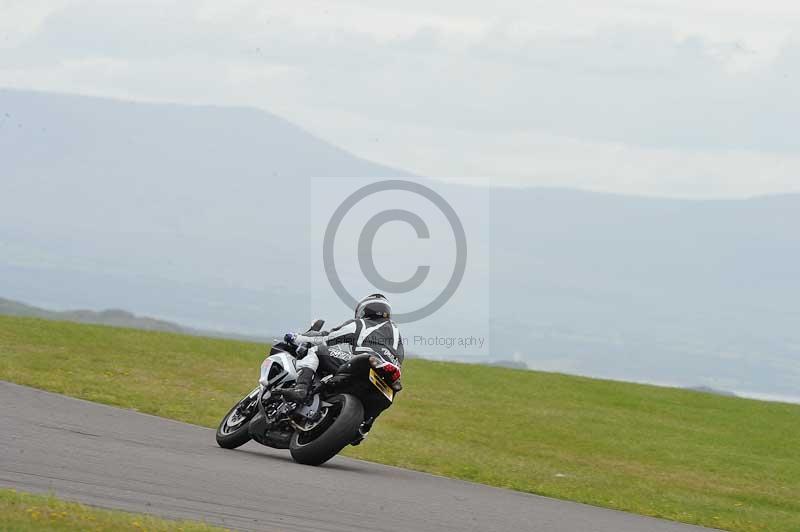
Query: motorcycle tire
x,y
336,436
232,437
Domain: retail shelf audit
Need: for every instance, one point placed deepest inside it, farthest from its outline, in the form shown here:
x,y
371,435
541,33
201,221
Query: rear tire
x,y
336,437
231,437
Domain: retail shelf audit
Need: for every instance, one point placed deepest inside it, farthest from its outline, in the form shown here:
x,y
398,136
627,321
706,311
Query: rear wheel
x,y
333,433
233,431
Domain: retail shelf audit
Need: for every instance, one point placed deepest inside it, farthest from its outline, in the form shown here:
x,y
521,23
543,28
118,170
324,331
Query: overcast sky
x,y
673,98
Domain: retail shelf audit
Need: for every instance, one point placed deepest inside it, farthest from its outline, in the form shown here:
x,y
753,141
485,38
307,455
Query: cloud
x,y
620,105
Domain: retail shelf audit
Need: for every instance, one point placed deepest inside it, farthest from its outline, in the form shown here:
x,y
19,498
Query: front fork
x,y
245,406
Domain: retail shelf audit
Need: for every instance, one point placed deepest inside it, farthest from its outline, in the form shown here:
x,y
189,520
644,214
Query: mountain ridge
x,y
114,317
201,215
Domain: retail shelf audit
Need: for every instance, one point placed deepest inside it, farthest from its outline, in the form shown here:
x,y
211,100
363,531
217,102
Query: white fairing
x,y
285,361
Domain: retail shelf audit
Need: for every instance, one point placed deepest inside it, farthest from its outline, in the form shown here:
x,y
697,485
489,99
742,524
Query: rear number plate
x,y
381,385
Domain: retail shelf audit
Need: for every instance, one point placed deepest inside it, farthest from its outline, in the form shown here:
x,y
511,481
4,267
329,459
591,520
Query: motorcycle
x,y
338,411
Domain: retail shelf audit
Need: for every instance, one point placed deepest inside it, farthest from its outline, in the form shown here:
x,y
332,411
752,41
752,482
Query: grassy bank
x,y
718,461
23,512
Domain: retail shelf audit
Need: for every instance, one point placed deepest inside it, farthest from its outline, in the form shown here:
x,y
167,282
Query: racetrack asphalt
x,y
121,459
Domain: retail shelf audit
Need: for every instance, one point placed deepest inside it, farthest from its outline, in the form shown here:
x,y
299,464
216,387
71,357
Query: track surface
x,y
121,459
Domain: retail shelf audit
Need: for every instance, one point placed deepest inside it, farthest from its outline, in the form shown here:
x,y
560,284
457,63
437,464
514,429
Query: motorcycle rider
x,y
370,331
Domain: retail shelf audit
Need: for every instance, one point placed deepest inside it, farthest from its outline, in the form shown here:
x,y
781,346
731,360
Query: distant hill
x,y
116,317
512,364
200,215
708,389
197,213
112,317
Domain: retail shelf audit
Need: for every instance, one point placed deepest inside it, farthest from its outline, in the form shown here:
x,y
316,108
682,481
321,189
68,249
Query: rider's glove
x,y
290,338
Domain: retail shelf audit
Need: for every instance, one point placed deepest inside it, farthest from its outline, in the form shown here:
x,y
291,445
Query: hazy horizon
x,y
795,399
182,213
626,173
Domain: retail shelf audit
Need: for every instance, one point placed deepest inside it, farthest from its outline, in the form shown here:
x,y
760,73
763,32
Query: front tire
x,y
234,429
348,414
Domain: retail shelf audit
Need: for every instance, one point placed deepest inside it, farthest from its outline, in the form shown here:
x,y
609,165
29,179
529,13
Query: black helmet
x,y
373,306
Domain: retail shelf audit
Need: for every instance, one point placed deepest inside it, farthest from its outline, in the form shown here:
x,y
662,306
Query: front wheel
x,y
233,430
335,431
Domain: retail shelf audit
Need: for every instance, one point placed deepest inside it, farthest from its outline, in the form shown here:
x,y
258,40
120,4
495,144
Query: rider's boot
x,y
300,391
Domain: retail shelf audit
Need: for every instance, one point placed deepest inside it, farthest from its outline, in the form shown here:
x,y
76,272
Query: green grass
x,y
23,512
718,461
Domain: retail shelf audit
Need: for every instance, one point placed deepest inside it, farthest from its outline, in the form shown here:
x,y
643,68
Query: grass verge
x,y
24,512
718,461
